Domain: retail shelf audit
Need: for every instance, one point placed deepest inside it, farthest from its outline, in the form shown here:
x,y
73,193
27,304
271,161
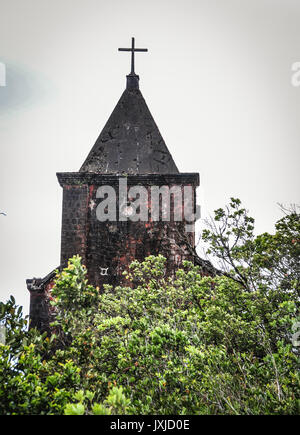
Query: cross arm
x,y
135,49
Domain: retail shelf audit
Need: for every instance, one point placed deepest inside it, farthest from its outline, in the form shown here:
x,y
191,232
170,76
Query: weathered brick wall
x,y
40,297
74,221
107,248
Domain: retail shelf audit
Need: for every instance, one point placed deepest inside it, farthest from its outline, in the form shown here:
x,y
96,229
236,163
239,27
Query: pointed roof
x,y
130,142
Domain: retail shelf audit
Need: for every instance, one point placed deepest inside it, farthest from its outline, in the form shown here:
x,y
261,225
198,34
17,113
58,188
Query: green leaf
x,y
74,409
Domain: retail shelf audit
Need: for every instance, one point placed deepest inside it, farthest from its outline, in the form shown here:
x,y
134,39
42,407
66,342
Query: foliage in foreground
x,y
183,345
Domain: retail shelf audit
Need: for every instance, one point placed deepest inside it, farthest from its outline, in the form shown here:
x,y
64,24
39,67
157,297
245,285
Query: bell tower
x,y
129,157
127,201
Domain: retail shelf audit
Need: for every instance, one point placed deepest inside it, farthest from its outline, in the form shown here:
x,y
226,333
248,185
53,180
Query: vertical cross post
x,y
132,56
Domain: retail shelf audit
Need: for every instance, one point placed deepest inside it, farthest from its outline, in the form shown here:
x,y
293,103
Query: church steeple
x,y
131,162
130,142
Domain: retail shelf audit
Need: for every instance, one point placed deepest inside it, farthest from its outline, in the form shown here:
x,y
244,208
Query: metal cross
x,y
133,50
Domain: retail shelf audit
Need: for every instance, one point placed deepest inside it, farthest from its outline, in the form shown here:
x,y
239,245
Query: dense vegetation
x,y
190,344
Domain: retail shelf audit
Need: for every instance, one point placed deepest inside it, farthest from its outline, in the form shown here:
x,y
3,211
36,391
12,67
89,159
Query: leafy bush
x,y
186,344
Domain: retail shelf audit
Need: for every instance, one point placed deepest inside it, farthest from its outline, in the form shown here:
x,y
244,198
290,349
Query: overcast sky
x,y
217,79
